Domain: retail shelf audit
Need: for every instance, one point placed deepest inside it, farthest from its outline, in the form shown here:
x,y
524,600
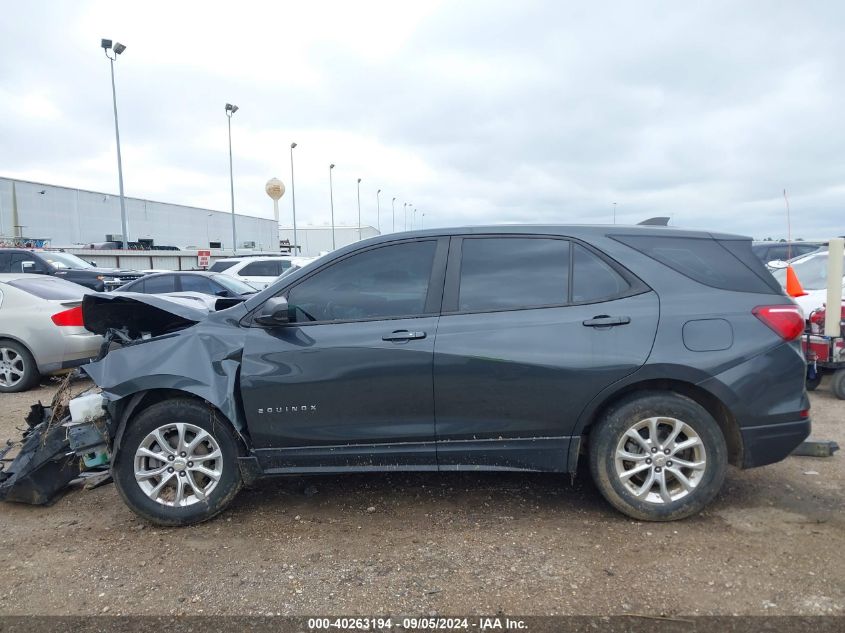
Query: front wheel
x,y
177,463
837,384
658,456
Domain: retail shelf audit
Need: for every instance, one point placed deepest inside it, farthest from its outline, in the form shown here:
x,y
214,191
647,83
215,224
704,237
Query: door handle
x,y
402,335
604,320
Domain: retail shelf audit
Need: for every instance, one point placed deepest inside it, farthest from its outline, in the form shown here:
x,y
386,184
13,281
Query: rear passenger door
x,y
532,328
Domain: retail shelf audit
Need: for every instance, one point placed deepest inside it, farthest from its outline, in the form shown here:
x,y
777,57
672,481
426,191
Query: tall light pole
x,y
359,209
293,199
422,221
414,223
393,206
614,213
117,49
378,211
331,201
230,110
405,215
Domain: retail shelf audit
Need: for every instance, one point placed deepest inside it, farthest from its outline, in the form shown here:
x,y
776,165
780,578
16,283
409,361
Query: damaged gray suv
x,y
660,356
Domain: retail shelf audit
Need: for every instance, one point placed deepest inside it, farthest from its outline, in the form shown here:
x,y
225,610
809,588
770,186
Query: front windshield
x,y
65,260
234,285
811,272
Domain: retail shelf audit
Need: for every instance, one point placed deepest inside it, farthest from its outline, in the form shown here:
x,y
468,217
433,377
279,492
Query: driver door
x,y
348,383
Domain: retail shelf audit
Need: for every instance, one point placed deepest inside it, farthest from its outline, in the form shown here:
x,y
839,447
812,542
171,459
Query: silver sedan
x,y
41,330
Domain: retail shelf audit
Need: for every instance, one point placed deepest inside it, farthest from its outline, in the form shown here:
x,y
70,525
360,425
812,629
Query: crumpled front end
x,y
151,343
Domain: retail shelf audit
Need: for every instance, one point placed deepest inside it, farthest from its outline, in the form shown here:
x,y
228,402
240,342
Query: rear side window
x,y
725,264
504,273
593,279
219,267
267,268
50,288
160,284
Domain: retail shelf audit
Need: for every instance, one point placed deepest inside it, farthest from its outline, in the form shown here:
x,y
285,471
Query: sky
x,y
474,112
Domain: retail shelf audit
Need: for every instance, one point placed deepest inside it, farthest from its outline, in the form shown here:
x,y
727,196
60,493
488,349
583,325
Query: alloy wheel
x,y
178,464
660,459
12,368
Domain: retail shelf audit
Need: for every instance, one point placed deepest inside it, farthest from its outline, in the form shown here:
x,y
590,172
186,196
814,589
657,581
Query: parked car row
x,y
41,330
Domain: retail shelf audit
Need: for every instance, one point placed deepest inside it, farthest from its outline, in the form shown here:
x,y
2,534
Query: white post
x,y
833,313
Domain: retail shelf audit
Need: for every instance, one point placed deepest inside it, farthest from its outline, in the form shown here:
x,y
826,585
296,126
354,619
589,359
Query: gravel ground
x,y
417,544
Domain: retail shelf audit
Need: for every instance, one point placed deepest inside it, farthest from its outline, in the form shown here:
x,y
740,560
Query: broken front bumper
x,y
53,452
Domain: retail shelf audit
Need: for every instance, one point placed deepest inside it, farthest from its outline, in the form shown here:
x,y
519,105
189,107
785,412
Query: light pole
x,y
393,206
117,49
378,211
359,209
405,215
414,222
230,110
422,221
614,213
331,201
293,200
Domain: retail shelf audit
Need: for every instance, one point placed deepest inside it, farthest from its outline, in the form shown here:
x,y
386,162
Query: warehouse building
x,y
62,216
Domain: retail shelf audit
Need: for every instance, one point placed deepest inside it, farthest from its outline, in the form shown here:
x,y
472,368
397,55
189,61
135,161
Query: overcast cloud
x,y
475,112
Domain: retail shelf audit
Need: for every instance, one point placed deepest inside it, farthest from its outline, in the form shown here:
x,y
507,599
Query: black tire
x,y
195,414
813,383
21,361
607,433
837,384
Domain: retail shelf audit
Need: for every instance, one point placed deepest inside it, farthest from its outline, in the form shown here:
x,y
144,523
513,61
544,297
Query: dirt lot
x,y
419,544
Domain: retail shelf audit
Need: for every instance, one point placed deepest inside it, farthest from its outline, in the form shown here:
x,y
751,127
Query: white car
x,y
41,329
259,271
811,271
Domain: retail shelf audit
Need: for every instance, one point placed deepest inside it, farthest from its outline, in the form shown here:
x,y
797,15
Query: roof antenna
x,y
793,286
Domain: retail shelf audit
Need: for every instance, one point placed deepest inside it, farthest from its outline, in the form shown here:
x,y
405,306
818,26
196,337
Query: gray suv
x,y
658,355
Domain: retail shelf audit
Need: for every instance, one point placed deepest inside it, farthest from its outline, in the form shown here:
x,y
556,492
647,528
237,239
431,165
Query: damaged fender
x,y
166,344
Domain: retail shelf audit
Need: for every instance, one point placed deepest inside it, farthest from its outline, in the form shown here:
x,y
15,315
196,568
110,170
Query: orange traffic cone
x,y
793,286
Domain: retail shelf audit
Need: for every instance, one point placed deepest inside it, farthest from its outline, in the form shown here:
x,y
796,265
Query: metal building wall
x,y
74,216
315,239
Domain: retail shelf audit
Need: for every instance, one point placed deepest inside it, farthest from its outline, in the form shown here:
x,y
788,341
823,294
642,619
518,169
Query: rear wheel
x,y
177,463
837,384
658,456
18,371
814,382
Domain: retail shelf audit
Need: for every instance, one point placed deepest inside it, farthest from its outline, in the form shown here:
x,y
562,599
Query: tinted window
x,y
220,266
386,282
19,258
779,252
510,272
50,288
593,279
5,262
198,283
159,283
267,268
133,286
707,261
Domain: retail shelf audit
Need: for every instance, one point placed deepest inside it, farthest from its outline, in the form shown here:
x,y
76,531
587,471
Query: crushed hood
x,y
139,314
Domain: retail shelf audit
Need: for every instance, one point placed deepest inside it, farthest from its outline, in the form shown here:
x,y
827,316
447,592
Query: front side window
x,y
198,283
387,282
502,273
33,265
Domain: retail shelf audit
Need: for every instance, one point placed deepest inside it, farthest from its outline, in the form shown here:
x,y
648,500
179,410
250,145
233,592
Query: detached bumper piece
x,y
51,454
43,467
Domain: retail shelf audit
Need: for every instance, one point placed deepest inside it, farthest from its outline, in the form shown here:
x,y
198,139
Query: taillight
x,y
786,321
72,317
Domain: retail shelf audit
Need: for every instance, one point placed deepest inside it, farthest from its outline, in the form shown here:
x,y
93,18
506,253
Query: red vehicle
x,y
825,354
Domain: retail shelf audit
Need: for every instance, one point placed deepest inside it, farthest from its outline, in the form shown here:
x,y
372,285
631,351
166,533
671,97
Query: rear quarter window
x,y
724,264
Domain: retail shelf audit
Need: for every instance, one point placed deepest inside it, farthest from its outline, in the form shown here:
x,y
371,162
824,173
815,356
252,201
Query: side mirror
x,y
275,311
31,267
92,262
